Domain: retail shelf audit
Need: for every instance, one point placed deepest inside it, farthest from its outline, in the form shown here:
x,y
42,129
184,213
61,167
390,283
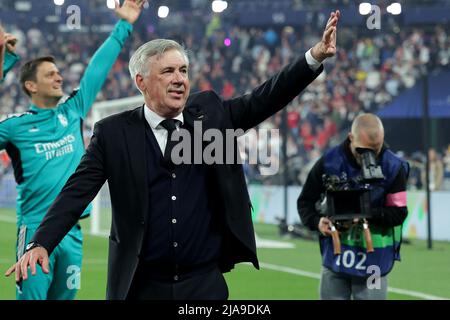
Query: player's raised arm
x,y
130,10
105,56
2,49
8,56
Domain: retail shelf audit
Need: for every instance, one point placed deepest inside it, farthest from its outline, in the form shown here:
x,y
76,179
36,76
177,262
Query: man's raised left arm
x,y
273,95
104,58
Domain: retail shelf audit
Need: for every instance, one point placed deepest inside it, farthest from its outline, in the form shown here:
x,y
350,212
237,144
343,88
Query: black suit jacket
x,y
117,154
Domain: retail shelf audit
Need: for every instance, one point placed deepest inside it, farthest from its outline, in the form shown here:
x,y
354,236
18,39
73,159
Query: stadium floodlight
x,y
163,12
219,6
58,2
111,4
365,8
23,6
395,8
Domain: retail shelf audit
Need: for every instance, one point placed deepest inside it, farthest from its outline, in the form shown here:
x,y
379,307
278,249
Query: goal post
x,y
101,207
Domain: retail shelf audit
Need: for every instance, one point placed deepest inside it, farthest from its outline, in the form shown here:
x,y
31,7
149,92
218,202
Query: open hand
x,y
29,259
327,46
130,10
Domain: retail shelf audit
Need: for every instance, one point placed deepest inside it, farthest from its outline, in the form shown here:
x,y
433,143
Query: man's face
x,y
166,87
362,140
48,81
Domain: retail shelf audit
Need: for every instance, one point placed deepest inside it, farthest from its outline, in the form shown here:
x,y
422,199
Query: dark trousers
x,y
337,286
208,285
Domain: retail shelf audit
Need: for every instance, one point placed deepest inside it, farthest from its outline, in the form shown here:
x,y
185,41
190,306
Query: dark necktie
x,y
169,125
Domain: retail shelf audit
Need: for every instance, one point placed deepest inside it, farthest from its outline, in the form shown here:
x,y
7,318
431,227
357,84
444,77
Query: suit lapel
x,y
135,139
194,114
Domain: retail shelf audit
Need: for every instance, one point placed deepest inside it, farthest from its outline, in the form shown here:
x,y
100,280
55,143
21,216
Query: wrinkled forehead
x,y
170,57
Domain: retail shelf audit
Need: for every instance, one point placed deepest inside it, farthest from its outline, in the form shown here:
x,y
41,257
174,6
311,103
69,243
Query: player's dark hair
x,y
29,70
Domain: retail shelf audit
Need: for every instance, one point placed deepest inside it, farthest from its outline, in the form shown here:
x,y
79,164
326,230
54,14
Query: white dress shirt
x,y
154,120
313,63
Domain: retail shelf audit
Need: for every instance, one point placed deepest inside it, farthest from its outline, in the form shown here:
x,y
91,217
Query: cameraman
x,y
348,275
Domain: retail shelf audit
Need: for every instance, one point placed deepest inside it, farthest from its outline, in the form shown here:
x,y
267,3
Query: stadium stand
x,y
369,71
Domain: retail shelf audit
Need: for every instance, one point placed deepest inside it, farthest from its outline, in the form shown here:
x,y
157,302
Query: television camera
x,y
347,201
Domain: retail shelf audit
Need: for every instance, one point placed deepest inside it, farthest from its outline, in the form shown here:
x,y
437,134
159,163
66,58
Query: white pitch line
x,y
417,294
298,272
7,219
313,275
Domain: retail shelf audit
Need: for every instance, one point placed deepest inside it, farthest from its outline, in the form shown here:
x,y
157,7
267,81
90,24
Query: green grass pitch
x,y
421,271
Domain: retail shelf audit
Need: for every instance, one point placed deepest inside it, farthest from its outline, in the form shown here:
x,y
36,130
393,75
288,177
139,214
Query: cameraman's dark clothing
x,y
386,202
313,188
343,276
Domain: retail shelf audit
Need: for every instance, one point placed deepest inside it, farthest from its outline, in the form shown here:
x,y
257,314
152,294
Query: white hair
x,y
140,60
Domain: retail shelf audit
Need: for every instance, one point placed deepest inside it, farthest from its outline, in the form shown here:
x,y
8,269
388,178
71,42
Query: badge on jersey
x,y
63,120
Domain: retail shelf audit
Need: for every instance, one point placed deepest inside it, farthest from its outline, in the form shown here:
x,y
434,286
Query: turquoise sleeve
x,y
10,60
98,68
4,132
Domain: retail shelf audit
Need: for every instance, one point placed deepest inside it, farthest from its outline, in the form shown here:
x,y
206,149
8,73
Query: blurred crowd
x,y
439,170
368,72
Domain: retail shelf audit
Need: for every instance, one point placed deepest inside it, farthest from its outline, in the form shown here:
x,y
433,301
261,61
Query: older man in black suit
x,y
176,227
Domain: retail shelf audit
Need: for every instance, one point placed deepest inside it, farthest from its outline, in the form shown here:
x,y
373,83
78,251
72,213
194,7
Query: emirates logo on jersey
x,y
63,120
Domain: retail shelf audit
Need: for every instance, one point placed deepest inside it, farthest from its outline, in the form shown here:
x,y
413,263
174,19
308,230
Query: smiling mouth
x,y
176,93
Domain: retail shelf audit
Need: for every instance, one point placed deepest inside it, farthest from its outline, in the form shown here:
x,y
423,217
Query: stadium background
x,y
382,71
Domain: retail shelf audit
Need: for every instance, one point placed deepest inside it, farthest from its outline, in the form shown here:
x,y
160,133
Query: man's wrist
x,y
312,62
316,54
32,245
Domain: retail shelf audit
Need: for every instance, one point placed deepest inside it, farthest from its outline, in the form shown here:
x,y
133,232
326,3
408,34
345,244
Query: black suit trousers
x,y
209,285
